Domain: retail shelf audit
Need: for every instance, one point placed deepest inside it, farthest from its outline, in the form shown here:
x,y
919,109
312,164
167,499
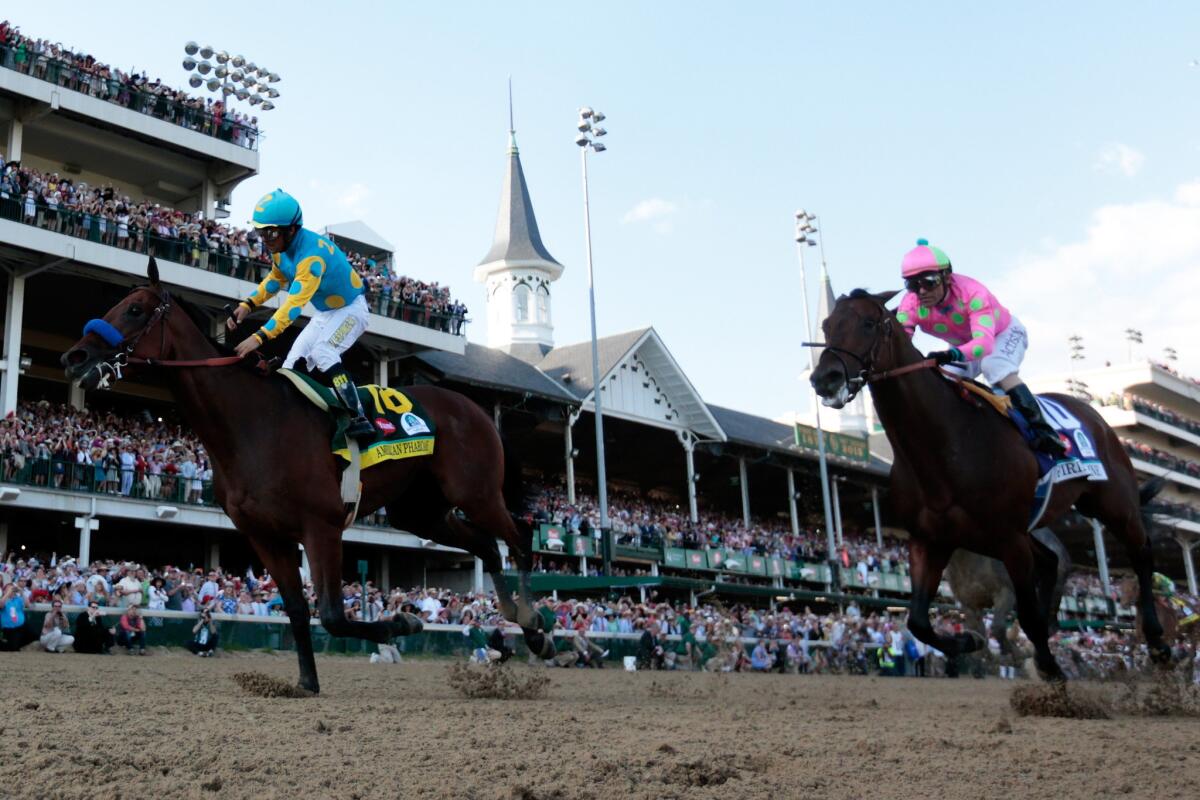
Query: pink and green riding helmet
x,y
923,258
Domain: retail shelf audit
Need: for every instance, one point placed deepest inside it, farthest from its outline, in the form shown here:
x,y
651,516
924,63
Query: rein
x,y
866,375
124,357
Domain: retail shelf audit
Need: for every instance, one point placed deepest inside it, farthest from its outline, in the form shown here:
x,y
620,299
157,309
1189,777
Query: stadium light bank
x,y
232,76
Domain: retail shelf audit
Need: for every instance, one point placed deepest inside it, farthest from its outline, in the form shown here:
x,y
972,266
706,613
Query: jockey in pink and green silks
x,y
984,337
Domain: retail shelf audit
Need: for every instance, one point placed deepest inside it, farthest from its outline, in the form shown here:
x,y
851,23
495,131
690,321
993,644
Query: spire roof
x,y
517,242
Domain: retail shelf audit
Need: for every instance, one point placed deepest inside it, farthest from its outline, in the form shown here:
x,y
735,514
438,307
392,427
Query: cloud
x,y
654,210
1134,267
1120,158
353,199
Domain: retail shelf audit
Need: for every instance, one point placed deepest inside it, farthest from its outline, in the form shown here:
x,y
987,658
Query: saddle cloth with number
x,y
403,427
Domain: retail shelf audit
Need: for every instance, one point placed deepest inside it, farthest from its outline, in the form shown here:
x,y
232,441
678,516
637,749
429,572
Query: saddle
x,y
1080,459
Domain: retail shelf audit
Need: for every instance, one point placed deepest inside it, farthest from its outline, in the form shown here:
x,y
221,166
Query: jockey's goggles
x,y
271,232
929,280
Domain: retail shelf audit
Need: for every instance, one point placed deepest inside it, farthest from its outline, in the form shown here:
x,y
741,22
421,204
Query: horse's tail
x,y
1149,490
518,499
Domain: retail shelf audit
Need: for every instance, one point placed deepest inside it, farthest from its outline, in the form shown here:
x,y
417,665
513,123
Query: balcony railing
x,y
191,113
189,252
57,474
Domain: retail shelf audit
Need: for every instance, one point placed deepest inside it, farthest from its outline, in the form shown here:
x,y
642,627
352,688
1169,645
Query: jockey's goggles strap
x,y
105,331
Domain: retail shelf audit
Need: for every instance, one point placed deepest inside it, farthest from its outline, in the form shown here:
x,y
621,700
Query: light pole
x,y
805,237
1133,336
589,134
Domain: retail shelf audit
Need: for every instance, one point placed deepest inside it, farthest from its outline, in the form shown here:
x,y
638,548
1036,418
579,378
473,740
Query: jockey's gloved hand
x,y
943,357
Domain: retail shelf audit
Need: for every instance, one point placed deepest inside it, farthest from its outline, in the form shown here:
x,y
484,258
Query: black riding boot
x,y
1044,437
361,429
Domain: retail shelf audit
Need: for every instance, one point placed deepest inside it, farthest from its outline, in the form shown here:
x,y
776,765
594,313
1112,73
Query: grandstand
x,y
708,498
667,443
1155,411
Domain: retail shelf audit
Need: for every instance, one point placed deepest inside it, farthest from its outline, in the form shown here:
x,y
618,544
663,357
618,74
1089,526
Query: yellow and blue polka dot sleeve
x,y
266,290
304,286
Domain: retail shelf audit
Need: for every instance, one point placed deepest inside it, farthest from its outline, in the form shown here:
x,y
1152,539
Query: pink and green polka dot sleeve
x,y
969,319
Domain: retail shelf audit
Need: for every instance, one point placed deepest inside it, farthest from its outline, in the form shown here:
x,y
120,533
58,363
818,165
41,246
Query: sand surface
x,y
173,725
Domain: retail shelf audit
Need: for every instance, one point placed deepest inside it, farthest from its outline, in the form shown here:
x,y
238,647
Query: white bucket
x,y
630,663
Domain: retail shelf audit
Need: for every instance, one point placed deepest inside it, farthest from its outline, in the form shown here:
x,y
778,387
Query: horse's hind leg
x,y
282,559
1019,561
323,542
1121,515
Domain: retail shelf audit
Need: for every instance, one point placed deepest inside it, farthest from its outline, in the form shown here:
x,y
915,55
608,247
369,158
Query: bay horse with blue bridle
x,y
276,477
963,477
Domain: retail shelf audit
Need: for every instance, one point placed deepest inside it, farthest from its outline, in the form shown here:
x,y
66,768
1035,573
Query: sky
x,y
1050,149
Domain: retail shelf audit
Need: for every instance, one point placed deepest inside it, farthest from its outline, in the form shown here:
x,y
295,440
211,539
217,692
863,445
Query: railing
x,y
58,474
1174,420
189,114
191,253
1167,461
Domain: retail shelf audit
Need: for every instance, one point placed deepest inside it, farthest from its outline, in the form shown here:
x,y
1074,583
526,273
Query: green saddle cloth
x,y
403,428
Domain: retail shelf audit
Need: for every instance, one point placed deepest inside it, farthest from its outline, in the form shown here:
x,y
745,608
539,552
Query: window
x,y
543,305
521,300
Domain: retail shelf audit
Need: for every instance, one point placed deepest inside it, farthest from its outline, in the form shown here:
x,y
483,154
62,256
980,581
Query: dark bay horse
x,y
275,477
963,477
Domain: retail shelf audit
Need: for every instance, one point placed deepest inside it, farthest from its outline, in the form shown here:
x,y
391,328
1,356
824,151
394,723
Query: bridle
x,y
855,381
124,357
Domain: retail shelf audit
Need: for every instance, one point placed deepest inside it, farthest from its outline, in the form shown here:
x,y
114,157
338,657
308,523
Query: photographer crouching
x,y
204,635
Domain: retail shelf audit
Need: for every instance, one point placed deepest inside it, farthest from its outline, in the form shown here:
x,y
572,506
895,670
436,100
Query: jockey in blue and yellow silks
x,y
314,270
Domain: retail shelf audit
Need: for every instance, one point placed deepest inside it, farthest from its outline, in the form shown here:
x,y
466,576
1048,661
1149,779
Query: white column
x,y
792,511
4,539
689,445
745,492
1189,564
305,572
385,571
86,525
496,414
875,508
16,135
641,594
13,320
569,447
477,584
583,566
381,372
214,554
1101,557
654,568
208,198
75,396
837,513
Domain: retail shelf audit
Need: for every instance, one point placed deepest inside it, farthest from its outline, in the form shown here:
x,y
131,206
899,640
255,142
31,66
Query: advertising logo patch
x,y
412,424
385,426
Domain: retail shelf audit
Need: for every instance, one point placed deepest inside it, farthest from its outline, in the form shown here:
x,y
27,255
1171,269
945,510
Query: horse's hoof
x,y
1161,655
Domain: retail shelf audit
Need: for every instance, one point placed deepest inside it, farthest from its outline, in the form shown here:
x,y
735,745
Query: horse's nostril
x,y
74,357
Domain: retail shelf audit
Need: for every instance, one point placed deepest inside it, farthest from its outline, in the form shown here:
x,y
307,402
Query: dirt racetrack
x,y
173,725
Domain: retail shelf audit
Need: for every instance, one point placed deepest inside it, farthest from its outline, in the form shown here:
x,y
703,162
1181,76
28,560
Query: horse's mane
x,y
201,322
856,294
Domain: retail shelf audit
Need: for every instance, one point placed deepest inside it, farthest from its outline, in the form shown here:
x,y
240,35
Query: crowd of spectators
x,y
1145,452
103,214
710,637
44,444
1132,402
640,521
80,72
1168,368
404,298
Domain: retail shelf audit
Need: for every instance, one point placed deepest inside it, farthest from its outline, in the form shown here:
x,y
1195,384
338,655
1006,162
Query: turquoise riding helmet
x,y
277,209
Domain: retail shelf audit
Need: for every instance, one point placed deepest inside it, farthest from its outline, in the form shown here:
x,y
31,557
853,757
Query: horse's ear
x,y
884,297
152,272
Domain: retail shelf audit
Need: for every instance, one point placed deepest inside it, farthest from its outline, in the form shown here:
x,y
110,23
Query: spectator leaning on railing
x,y
51,62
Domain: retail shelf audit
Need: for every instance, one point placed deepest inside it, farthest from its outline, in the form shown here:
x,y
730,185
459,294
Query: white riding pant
x,y
328,335
1005,358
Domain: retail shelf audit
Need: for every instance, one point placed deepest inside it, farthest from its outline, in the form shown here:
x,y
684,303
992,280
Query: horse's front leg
x,y
926,564
282,559
323,543
1019,561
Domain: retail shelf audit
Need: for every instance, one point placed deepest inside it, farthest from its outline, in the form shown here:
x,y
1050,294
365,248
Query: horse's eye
x,y
135,311
869,324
